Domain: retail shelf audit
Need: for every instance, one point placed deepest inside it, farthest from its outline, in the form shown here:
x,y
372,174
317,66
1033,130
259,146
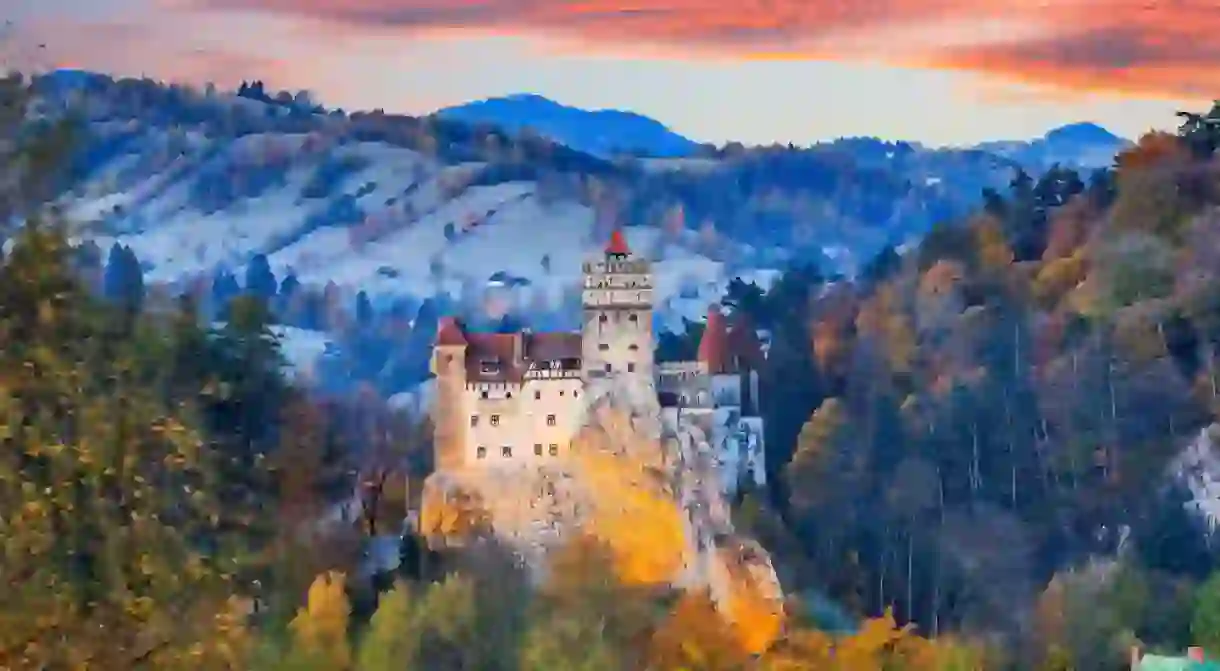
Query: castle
x,y
516,399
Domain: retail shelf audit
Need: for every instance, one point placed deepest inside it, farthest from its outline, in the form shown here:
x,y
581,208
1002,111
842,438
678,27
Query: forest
x,y
971,448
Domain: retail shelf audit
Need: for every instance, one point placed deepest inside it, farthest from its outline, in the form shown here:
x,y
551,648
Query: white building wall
x,y
528,419
616,328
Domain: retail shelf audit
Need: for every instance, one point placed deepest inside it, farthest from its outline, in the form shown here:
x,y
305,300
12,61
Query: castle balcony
x,y
553,373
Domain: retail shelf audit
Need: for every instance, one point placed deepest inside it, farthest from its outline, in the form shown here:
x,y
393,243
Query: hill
x,y
602,133
402,210
1082,146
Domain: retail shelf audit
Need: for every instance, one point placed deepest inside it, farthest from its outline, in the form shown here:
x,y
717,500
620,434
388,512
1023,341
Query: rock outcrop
x,y
648,489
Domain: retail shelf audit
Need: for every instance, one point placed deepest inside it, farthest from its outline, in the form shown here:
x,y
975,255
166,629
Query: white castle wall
x,y
527,423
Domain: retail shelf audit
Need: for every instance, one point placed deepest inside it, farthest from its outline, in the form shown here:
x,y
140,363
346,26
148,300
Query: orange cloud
x,y
1152,47
134,49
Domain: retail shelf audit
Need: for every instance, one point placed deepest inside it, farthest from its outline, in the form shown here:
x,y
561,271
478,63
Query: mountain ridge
x,y
600,132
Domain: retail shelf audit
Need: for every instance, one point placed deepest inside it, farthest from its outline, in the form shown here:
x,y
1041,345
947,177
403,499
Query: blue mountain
x,y
601,133
1084,146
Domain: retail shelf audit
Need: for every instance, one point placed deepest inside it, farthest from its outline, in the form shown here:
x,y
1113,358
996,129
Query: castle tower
x,y
449,411
617,326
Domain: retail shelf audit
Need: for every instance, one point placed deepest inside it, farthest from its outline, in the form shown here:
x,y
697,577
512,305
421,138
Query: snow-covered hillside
x,y
420,231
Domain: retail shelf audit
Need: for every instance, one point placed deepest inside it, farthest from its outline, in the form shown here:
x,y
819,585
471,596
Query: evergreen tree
x,y
364,310
224,289
117,282
260,281
289,286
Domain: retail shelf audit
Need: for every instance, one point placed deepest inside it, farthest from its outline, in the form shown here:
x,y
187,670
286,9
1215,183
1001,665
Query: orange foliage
x,y
883,319
1068,228
831,331
1155,149
757,617
879,645
641,525
695,636
994,252
941,278
1057,277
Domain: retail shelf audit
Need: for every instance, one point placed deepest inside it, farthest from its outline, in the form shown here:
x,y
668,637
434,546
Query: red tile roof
x,y
618,243
449,332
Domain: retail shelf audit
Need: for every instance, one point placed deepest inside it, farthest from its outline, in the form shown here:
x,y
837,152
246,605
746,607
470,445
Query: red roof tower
x,y
713,346
618,244
449,333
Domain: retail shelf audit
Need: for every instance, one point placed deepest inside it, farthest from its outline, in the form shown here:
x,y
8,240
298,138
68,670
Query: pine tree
x,y
260,281
364,310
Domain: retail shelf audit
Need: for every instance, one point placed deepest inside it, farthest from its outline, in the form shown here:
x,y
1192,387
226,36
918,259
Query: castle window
x,y
484,394
537,396
602,347
575,394
495,420
481,452
609,368
630,368
538,449
474,420
602,318
634,317
633,348
550,420
506,451
508,394
554,450
561,392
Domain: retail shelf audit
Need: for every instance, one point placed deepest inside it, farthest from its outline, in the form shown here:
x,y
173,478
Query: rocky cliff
x,y
649,492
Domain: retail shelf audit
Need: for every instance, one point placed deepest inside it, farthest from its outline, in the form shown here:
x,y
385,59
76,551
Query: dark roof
x,y
552,346
505,357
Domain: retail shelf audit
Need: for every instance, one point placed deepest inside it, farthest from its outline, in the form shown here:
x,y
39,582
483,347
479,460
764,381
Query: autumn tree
x,y
114,554
319,632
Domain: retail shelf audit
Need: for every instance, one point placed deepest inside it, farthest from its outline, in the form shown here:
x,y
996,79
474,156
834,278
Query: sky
x,y
757,71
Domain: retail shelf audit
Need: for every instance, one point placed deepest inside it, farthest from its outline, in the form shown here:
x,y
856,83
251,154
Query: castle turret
x,y
449,412
713,346
617,333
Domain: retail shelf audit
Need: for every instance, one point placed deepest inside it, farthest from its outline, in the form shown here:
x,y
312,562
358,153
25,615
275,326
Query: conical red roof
x,y
449,333
713,345
743,340
618,243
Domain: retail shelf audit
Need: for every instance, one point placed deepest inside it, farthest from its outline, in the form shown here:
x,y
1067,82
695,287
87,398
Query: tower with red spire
x,y
617,335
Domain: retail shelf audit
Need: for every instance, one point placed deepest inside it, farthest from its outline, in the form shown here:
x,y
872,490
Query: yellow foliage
x,y
994,252
879,645
451,514
1059,276
641,525
634,514
320,628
